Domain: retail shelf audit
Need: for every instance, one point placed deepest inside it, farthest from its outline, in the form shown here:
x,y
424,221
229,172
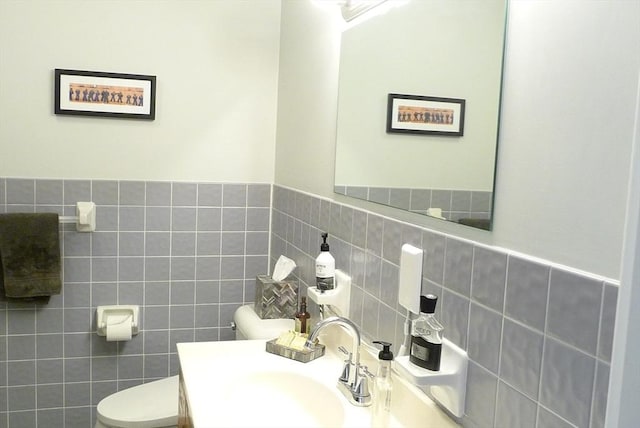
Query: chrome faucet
x,y
353,383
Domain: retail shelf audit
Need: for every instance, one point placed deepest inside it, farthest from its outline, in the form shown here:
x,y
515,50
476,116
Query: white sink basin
x,y
239,384
304,401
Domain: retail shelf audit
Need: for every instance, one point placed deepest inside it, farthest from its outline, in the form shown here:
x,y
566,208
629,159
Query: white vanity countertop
x,y
239,384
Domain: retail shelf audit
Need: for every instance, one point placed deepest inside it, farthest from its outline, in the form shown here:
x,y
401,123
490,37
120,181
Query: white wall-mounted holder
x,y
339,298
117,322
86,213
448,386
435,212
85,218
410,277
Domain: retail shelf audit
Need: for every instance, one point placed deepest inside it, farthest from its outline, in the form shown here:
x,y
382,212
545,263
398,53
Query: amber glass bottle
x,y
302,317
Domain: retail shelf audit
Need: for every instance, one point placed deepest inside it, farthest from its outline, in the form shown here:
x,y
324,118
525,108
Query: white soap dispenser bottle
x,y
382,388
325,267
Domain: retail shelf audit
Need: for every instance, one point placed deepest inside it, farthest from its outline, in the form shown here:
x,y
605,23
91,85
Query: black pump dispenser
x,y
386,353
428,304
382,388
324,246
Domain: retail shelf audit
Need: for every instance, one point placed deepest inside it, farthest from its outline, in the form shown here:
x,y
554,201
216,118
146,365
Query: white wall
x,y
566,128
307,96
624,381
216,64
569,108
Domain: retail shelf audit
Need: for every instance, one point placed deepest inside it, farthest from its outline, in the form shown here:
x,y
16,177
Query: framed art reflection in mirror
x,y
415,114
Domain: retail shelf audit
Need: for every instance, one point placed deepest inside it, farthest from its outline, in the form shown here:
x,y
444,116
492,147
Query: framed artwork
x,y
415,114
94,93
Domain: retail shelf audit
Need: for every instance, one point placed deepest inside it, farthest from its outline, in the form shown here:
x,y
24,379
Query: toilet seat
x,y
150,405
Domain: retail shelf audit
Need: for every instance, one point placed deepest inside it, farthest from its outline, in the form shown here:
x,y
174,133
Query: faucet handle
x,y
365,370
346,372
345,376
360,387
347,353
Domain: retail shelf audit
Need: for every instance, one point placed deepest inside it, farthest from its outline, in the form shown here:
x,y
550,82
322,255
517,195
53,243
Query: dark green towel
x,y
30,253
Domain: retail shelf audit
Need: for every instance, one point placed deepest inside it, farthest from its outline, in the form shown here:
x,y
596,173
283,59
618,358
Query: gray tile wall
x,y
187,253
538,336
455,204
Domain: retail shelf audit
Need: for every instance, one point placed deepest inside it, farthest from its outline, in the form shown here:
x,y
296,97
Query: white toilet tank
x,y
250,326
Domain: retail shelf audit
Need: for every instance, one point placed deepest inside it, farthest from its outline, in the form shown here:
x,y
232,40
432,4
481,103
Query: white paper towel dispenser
x,y
117,322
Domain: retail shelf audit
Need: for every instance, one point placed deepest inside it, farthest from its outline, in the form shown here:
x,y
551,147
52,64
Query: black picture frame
x,y
104,94
417,114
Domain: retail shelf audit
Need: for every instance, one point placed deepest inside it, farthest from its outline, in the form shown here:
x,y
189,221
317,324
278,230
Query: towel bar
x,y
68,219
85,219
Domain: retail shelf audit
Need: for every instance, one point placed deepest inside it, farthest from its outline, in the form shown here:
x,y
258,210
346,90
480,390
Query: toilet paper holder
x,y
117,314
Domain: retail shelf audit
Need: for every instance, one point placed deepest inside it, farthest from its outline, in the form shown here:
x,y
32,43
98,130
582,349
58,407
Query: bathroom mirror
x,y
442,60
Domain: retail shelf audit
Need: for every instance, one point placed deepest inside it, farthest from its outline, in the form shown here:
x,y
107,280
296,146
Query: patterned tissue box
x,y
275,299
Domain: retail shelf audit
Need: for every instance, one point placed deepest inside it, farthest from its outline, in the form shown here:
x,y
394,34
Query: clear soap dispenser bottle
x,y
426,336
382,387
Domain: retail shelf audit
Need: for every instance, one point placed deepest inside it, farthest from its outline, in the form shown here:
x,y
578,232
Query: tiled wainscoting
x,y
455,204
539,335
187,253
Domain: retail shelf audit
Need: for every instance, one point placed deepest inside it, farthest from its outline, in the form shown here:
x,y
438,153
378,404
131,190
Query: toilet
x,y
249,326
155,404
